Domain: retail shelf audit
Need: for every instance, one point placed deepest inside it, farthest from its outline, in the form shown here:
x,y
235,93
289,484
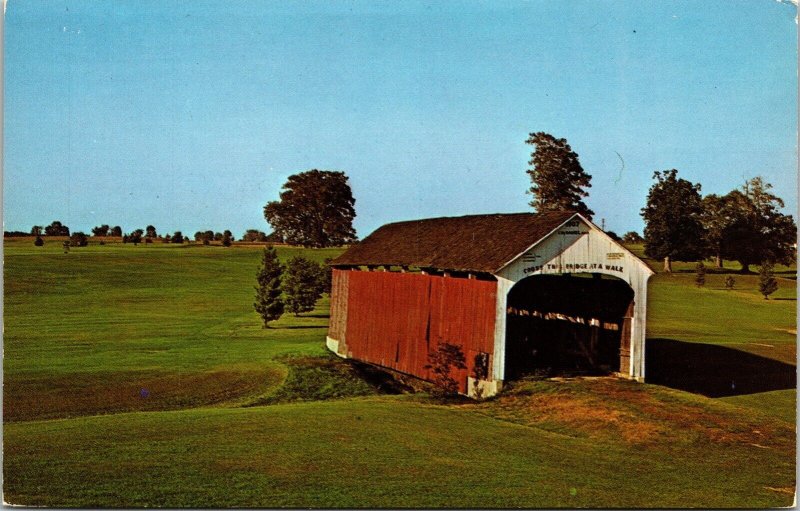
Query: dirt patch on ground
x,y
639,414
46,397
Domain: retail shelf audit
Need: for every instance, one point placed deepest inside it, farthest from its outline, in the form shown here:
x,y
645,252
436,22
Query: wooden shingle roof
x,y
473,243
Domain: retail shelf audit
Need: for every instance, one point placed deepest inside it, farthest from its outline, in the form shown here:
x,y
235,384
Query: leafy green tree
x,y
56,229
78,239
136,236
302,285
759,231
632,237
274,237
37,230
116,231
227,239
316,209
254,235
767,284
101,230
177,237
720,214
558,180
269,304
326,276
150,232
700,274
441,362
673,229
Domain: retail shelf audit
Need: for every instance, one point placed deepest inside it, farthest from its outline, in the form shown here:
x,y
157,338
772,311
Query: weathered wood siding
x,y
337,327
396,319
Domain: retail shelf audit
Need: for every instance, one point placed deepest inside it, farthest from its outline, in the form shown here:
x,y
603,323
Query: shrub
x,y
700,274
38,241
78,239
441,362
766,280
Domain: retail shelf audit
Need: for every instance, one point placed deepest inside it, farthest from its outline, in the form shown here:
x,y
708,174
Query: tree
x,y
632,237
758,231
673,230
177,237
274,237
557,177
254,235
78,239
116,231
227,239
720,213
326,276
37,230
268,292
766,280
136,236
150,232
700,274
101,230
614,236
38,241
442,361
302,285
56,229
316,209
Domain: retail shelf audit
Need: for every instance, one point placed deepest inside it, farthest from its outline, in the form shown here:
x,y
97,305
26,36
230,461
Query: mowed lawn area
x,y
140,376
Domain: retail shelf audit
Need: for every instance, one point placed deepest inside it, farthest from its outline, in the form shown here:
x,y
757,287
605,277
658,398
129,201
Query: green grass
x,y
375,452
87,331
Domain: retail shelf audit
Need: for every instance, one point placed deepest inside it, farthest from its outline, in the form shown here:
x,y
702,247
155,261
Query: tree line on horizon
x,y
744,225
147,235
316,209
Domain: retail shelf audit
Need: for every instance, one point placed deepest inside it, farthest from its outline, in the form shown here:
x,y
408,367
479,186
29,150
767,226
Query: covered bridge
x,y
517,292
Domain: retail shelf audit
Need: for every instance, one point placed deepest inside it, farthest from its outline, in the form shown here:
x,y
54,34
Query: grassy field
x,y
140,376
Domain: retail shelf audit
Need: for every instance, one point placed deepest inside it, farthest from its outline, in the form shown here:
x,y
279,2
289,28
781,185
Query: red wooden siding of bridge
x,y
394,319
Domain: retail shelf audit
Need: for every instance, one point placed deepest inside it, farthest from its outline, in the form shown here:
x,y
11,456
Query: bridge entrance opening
x,y
568,324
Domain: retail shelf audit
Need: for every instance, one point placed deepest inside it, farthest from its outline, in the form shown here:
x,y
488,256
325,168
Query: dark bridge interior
x,y
562,324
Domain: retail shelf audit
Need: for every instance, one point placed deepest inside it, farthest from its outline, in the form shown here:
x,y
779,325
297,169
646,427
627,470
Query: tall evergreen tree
x,y
268,292
302,284
673,230
557,178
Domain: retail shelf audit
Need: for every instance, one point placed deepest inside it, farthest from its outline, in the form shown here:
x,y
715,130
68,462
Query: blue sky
x,y
190,115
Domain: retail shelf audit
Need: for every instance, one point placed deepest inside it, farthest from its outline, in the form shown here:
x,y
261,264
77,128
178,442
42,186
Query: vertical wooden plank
x,y
625,341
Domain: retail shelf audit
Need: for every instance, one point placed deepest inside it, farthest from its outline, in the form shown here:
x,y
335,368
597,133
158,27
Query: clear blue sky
x,y
190,115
